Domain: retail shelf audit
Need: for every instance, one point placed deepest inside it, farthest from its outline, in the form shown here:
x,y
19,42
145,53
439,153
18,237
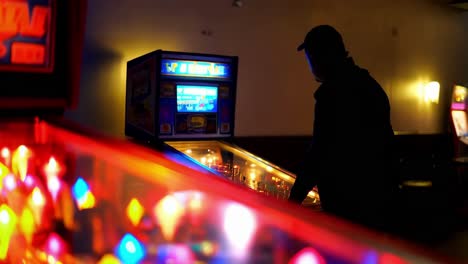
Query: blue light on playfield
x,y
130,250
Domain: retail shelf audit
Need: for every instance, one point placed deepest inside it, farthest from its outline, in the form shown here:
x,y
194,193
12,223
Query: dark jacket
x,y
351,156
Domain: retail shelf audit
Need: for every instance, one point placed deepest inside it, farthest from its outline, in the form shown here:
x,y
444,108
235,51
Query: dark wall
x,y
286,151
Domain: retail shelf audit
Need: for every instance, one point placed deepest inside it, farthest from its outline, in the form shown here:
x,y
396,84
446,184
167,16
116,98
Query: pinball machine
x,y
188,101
459,116
459,125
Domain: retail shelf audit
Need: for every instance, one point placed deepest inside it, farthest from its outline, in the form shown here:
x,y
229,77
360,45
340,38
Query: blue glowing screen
x,y
203,69
197,99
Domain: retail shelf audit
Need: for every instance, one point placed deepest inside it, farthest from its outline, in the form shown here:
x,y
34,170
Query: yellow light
x,y
188,151
88,202
4,171
36,203
135,211
27,224
431,92
168,212
52,167
37,198
20,161
460,93
5,153
207,248
7,227
51,260
269,169
109,259
196,203
23,151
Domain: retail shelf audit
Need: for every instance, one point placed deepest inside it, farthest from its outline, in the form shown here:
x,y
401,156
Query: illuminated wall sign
x,y
27,30
201,69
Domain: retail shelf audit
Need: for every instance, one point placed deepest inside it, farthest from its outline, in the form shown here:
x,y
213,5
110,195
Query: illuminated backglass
x,y
27,35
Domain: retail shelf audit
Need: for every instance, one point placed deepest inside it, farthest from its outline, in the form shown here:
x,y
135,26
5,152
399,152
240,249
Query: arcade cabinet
x,y
187,101
459,115
459,118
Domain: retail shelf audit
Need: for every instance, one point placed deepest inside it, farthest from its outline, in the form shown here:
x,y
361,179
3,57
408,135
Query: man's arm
x,y
308,170
305,178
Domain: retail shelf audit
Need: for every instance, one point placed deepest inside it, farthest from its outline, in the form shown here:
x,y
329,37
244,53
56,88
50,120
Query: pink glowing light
x,y
307,256
239,227
10,182
29,181
54,185
55,246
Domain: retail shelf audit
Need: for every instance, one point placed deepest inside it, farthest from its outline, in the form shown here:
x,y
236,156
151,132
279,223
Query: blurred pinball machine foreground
x,y
73,196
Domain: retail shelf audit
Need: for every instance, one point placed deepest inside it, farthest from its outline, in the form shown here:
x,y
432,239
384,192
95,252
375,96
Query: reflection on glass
x,y
112,207
133,222
244,168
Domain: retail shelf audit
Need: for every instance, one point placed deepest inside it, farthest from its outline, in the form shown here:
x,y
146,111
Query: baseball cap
x,y
323,37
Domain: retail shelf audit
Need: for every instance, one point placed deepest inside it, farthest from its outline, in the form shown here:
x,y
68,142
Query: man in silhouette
x,y
350,159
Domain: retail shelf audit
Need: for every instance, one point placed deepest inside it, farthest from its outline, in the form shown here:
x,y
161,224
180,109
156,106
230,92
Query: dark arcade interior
x,y
157,131
434,187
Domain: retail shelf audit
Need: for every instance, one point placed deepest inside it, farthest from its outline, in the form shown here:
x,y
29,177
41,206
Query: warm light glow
x,y
36,203
54,185
7,227
130,250
203,160
52,260
5,214
460,122
188,151
269,169
135,211
168,212
431,92
460,93
88,202
307,256
109,259
20,161
27,224
239,227
52,168
5,153
207,248
4,171
195,202
37,197
23,151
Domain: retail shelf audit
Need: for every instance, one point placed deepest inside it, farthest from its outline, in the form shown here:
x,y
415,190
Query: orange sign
x,y
27,29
